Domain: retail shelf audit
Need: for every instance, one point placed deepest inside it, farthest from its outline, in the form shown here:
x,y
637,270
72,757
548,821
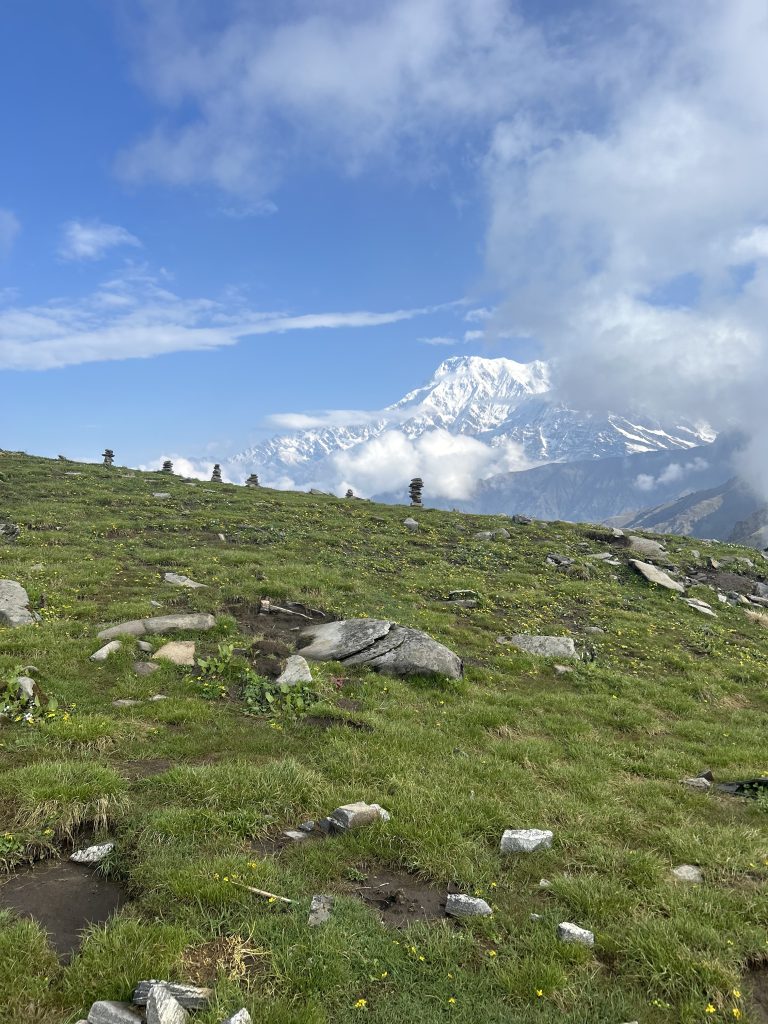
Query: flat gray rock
x,y
460,905
14,602
159,624
382,646
163,1008
108,1011
567,932
525,840
649,549
657,576
296,671
161,494
699,606
482,535
544,646
191,997
358,814
181,581
320,910
104,652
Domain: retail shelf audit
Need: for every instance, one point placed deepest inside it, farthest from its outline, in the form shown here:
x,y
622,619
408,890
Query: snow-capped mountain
x,y
499,412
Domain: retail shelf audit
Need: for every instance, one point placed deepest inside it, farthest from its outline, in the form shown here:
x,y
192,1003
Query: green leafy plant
x,y
218,672
263,696
17,706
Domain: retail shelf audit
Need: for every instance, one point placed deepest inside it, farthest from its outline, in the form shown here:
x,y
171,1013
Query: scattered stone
x,y
296,835
356,815
27,686
411,525
191,997
699,782
501,534
9,531
464,598
544,646
72,473
536,917
562,670
180,652
160,494
525,840
144,668
159,624
181,581
242,1016
761,589
460,905
594,629
567,932
382,646
307,826
104,652
521,520
746,787
125,702
649,549
144,646
93,854
222,538
296,671
657,576
108,1011
163,1008
544,883
320,910
688,873
14,602
617,534
482,535
699,606
157,696
553,559
156,604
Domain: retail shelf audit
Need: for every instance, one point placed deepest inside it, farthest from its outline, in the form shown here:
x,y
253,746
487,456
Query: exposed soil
x,y
402,899
727,581
63,898
349,704
271,847
143,769
756,985
275,632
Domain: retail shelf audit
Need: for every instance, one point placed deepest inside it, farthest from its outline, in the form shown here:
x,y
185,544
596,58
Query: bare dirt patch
x,y
331,722
228,956
756,986
275,632
64,899
134,770
401,899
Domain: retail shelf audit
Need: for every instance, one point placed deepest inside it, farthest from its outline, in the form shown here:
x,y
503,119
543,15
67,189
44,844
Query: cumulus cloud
x,y
136,316
9,229
440,340
91,240
450,464
671,474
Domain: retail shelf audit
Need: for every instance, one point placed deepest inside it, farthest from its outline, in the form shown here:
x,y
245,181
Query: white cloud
x,y
9,229
91,240
450,465
136,316
671,474
439,340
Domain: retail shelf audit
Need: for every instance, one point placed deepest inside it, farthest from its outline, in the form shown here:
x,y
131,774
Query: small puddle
x,y
63,898
402,899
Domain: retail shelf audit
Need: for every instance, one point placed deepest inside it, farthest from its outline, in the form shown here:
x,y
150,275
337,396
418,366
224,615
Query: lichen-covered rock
x,y
567,932
525,840
14,601
93,854
320,910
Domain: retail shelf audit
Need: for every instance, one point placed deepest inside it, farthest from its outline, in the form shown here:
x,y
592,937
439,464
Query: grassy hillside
x,y
193,790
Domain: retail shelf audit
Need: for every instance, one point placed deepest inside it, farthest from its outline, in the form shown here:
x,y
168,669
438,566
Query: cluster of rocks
x,y
216,474
108,457
414,491
158,1002
252,481
10,531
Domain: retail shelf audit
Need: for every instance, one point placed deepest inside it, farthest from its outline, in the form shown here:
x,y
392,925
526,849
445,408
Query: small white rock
x,y
181,581
355,815
93,854
295,834
241,1017
544,883
461,905
104,652
125,702
144,645
320,910
296,671
525,840
688,873
567,932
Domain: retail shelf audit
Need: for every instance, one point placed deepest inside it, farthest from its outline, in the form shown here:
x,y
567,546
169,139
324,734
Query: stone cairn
x,y
109,457
415,490
252,481
216,474
167,466
350,493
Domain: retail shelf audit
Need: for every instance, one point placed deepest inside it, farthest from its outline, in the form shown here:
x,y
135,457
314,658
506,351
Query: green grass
x,y
596,755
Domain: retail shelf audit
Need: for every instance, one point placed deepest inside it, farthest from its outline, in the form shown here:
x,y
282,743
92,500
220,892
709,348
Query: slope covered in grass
x,y
192,789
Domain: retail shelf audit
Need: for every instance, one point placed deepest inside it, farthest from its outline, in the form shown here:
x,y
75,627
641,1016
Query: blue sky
x,y
183,185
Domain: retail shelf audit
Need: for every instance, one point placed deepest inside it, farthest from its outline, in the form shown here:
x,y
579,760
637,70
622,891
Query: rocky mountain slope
x,y
496,401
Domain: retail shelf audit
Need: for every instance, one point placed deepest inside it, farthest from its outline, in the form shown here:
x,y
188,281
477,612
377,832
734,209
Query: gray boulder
x,y
460,905
544,646
525,840
104,652
296,671
191,997
108,1011
14,601
654,575
159,624
648,549
482,535
411,525
567,932
163,1008
380,645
